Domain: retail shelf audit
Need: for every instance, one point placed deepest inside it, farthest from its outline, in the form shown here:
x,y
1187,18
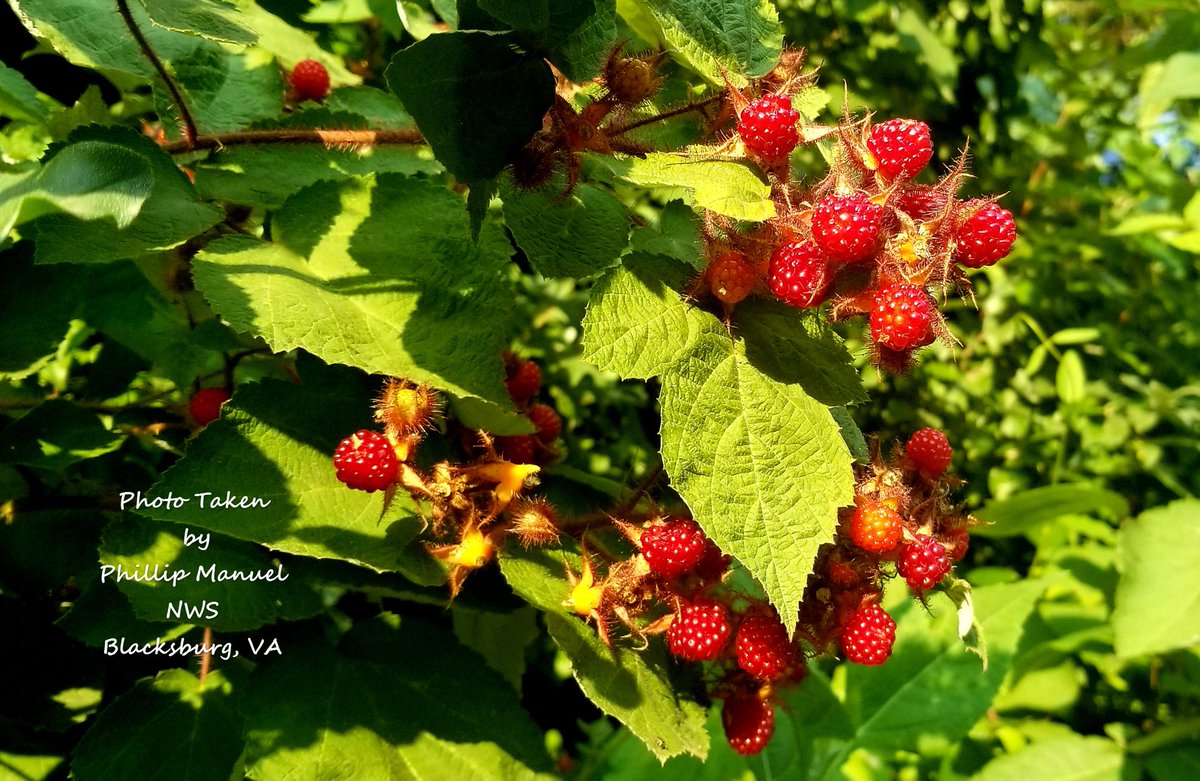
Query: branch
x,y
189,123
329,138
675,112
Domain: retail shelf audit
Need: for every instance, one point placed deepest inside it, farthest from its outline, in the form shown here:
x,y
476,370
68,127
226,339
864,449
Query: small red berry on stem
x,y
868,636
799,274
763,647
549,424
923,563
876,527
366,461
673,548
930,450
524,381
749,723
205,406
901,147
730,277
310,80
768,126
902,317
517,449
699,632
985,237
847,227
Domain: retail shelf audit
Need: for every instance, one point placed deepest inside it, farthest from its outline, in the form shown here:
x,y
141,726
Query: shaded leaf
x,y
567,235
243,605
183,713
1029,509
216,20
440,81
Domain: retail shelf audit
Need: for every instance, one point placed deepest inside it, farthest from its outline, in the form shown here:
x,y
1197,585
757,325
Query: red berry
x,y
310,80
901,147
673,548
763,647
699,632
930,451
517,449
549,424
902,317
524,381
868,636
366,461
730,277
956,542
920,202
876,527
205,406
749,723
985,237
768,126
713,565
799,274
846,227
923,563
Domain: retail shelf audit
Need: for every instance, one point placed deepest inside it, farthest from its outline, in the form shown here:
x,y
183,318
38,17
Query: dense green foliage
x,y
137,266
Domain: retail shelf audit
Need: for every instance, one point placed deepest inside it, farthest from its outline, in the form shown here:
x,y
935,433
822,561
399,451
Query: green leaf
x,y
637,323
799,348
1025,511
19,99
852,434
88,180
1071,381
677,236
726,187
1158,596
130,543
931,689
920,39
54,435
734,38
197,732
1061,759
273,442
633,687
290,45
379,273
761,464
225,91
395,705
567,235
440,80
172,213
216,20
578,42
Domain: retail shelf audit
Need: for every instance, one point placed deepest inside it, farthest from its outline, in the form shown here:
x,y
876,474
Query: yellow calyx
x,y
509,478
585,596
473,551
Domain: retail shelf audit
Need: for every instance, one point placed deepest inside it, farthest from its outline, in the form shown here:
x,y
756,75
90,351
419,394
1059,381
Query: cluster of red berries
x,y
676,575
523,379
901,524
866,238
